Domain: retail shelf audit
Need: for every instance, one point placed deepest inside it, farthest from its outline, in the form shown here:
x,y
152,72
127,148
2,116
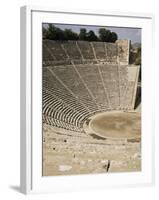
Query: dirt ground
x,y
117,125
117,150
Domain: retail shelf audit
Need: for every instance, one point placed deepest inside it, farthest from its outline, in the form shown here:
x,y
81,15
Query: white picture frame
x,y
31,97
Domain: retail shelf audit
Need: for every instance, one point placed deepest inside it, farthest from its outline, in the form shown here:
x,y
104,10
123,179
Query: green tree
x,y
91,36
51,33
83,34
104,35
70,35
113,37
132,55
54,33
138,56
59,34
44,32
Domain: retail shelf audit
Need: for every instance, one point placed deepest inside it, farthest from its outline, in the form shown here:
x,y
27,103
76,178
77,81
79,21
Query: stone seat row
x,y
71,95
63,52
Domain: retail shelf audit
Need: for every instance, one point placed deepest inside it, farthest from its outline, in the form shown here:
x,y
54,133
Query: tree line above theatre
x,y
54,33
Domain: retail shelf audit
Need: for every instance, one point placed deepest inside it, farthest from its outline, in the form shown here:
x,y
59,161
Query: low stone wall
x,y
123,51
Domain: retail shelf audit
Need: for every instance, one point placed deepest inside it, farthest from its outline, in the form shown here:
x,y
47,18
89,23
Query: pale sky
x,y
133,34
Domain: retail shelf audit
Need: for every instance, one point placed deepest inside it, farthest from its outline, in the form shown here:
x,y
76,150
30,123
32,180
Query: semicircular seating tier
x,y
82,78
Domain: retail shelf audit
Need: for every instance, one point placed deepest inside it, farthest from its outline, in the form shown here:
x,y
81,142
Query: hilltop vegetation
x,y
135,54
54,33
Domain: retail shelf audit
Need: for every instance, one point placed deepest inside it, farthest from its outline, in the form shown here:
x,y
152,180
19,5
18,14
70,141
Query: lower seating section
x,y
52,85
92,78
123,85
71,80
60,112
72,93
111,82
131,91
128,95
60,124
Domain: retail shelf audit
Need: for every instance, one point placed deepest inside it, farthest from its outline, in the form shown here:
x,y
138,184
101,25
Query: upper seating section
x,y
71,50
47,53
84,52
112,53
54,53
100,50
56,50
